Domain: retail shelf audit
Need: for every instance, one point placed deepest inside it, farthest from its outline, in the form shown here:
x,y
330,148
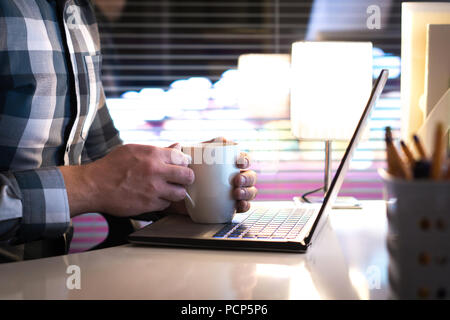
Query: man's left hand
x,y
244,184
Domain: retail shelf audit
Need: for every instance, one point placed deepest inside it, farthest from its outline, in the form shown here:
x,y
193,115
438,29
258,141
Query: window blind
x,y
153,43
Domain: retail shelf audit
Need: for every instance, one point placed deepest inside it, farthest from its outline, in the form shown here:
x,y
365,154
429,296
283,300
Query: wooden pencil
x,y
408,154
438,152
419,147
447,175
396,167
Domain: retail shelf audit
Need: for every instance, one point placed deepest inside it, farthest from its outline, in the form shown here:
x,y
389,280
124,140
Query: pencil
x,y
396,167
419,147
408,154
438,152
447,175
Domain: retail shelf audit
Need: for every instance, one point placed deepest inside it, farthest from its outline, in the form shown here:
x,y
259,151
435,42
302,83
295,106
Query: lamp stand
x,y
340,202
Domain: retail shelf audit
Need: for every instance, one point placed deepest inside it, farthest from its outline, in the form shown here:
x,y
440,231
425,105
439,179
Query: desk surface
x,y
348,261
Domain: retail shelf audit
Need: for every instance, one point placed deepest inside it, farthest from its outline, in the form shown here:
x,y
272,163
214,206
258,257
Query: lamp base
x,y
339,203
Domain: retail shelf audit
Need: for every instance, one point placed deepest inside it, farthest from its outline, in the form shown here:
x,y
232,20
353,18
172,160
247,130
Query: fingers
x,y
245,190
245,179
176,145
160,204
242,206
245,193
178,174
243,162
172,192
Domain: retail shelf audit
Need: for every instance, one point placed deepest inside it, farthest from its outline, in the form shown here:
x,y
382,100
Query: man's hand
x,y
244,184
130,180
244,188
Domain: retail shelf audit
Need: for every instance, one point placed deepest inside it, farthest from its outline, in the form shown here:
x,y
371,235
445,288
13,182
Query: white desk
x,y
349,261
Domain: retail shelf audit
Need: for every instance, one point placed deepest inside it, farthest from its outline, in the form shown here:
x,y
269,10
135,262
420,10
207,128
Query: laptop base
x,y
177,230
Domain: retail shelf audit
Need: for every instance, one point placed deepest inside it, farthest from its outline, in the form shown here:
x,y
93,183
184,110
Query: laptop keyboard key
x,y
268,224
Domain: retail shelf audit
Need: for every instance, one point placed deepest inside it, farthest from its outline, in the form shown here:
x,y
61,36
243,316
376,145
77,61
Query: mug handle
x,y
188,197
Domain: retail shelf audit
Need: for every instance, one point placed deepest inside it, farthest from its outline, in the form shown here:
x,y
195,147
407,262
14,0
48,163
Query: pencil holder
x,y
418,239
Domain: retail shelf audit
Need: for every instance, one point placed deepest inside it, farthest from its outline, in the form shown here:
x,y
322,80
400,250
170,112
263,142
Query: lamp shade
x,y
264,85
330,86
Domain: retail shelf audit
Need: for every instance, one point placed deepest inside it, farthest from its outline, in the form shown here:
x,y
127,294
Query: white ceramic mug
x,y
209,199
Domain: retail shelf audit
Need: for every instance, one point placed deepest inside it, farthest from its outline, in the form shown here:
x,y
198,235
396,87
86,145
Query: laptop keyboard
x,y
268,224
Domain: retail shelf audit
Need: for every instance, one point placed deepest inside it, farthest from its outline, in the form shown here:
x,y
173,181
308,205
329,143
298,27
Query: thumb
x,y
176,145
176,155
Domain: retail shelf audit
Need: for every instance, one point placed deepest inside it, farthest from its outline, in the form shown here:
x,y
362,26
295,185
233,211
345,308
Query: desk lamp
x,y
331,83
264,89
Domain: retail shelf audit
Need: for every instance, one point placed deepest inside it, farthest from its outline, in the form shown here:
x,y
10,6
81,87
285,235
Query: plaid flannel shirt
x,y
52,111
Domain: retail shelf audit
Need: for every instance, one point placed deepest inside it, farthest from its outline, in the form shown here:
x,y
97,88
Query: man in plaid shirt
x,y
60,154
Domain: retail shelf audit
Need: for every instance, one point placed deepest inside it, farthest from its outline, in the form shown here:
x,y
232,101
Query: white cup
x,y
209,199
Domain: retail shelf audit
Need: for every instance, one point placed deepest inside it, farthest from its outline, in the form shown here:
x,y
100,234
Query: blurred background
x,y
170,75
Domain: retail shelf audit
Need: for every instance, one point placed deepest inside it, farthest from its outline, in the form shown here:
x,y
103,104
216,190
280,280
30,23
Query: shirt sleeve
x,y
103,135
33,205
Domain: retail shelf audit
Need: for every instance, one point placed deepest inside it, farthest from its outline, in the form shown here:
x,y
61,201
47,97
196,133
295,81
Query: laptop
x,y
285,229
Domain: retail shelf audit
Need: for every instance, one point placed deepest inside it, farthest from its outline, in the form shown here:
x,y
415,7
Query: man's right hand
x,y
130,180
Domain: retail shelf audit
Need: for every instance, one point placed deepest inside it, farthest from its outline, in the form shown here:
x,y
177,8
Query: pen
x,y
396,166
421,169
438,152
419,147
408,153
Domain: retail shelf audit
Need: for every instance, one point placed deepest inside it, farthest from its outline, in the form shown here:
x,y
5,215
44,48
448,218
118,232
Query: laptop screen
x,y
345,162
